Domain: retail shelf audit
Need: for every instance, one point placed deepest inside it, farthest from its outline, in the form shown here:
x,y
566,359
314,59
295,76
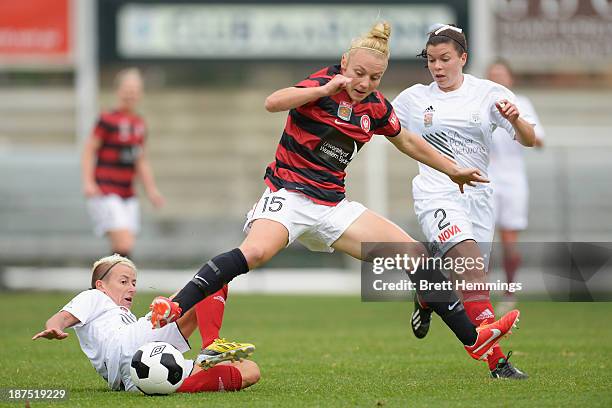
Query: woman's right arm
x,y
54,328
292,97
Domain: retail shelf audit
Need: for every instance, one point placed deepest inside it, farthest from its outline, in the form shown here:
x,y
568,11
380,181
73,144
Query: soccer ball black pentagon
x,y
157,368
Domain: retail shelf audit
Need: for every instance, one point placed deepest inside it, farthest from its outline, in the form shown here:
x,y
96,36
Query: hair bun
x,y
381,30
376,40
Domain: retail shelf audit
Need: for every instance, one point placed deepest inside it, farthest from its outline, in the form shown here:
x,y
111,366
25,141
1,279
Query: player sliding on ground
x,y
332,114
109,334
457,114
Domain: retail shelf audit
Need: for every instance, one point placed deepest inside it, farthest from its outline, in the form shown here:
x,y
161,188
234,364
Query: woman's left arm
x,y
524,130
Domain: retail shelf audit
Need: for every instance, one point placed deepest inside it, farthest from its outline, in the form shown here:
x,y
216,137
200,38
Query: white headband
x,y
447,27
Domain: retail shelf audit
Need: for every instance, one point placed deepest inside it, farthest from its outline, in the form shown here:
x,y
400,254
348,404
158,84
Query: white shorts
x,y
511,204
131,337
449,218
314,225
111,212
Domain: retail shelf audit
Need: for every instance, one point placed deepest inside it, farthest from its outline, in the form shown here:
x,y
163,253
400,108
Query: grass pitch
x,y
337,351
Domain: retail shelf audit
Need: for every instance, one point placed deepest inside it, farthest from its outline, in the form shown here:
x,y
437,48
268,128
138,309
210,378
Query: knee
x,y
250,373
254,255
511,254
123,249
122,243
417,249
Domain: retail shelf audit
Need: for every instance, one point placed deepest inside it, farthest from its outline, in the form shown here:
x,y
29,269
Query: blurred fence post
x,y
480,40
564,196
86,65
376,176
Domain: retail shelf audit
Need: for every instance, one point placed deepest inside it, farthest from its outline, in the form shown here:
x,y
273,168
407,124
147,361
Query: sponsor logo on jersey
x,y
129,154
365,123
337,149
345,110
337,154
449,233
428,116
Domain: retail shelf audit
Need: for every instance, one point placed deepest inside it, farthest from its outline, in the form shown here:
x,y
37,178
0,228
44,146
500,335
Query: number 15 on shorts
x,y
272,204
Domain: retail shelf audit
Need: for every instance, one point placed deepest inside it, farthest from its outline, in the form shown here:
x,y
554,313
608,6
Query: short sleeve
x,y
401,106
312,82
497,120
141,130
101,130
85,305
389,125
527,112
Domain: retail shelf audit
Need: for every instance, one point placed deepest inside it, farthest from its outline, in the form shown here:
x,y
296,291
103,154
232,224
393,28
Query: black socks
x,y
211,277
444,301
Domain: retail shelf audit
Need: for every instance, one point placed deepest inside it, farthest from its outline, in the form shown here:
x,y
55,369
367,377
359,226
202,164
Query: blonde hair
x,y
125,73
102,267
376,40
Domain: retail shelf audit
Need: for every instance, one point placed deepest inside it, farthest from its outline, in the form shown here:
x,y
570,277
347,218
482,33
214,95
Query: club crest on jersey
x,y
475,118
428,116
365,123
345,110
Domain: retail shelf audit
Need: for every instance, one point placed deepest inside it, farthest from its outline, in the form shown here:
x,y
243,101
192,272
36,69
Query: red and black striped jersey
x,y
322,137
122,135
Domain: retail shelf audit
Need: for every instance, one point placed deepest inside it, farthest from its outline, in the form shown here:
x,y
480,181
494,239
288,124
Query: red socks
x,y
209,313
217,378
481,312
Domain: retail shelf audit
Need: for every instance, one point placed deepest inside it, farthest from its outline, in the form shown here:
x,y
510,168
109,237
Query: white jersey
x,y
101,321
507,155
109,336
459,124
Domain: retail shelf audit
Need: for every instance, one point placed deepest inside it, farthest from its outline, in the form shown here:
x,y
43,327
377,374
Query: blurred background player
x,y
109,334
332,114
509,181
456,115
113,156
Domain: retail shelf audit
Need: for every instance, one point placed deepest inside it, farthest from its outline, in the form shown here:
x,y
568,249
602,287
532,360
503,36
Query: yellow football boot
x,y
222,350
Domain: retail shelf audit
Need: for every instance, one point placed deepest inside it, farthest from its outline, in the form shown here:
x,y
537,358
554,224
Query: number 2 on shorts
x,y
440,225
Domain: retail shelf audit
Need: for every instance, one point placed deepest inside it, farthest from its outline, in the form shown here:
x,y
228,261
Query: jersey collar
x,y
467,79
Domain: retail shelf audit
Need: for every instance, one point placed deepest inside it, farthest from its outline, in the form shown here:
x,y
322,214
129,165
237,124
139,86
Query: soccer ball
x,y
157,368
